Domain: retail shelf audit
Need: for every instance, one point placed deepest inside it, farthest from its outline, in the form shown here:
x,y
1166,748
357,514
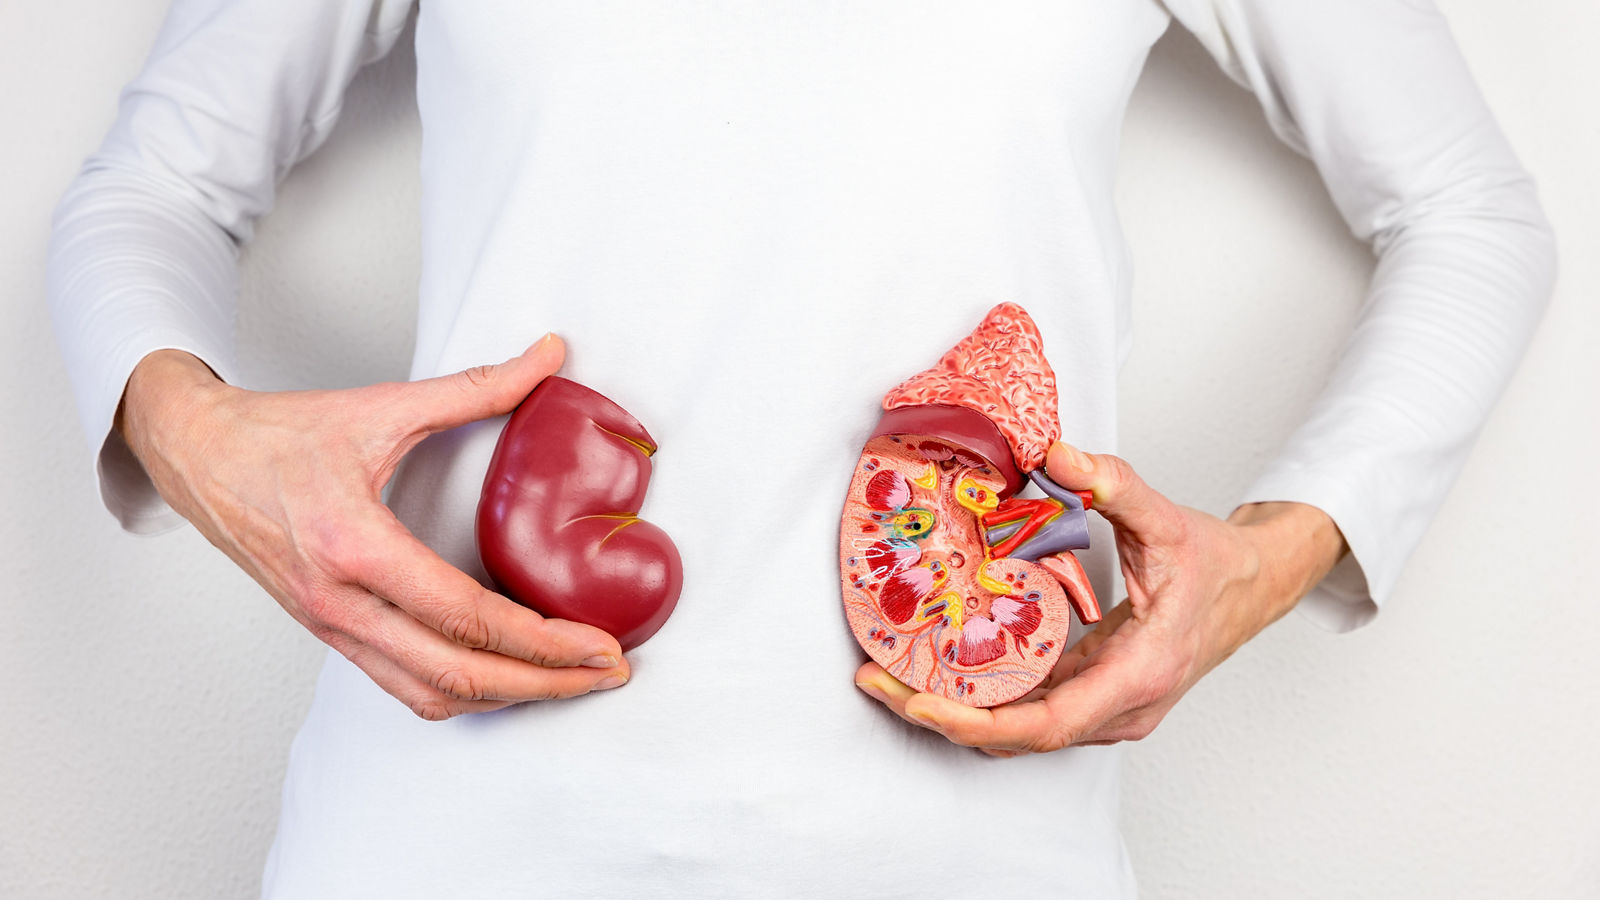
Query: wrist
x,y
1297,544
164,384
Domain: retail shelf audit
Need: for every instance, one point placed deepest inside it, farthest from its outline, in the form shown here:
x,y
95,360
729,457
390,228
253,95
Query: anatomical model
x,y
951,582
558,527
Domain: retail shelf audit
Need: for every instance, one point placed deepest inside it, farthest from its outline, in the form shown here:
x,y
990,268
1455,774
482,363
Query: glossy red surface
x,y
961,426
558,527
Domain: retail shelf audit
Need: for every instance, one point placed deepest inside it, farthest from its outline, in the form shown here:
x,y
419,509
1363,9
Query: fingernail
x,y
927,722
1075,457
609,682
600,662
873,691
535,348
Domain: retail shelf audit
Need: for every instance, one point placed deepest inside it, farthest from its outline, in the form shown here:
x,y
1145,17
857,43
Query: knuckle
x,y
320,606
540,649
543,656
1120,471
458,682
432,709
551,692
348,564
477,376
331,547
465,625
1048,741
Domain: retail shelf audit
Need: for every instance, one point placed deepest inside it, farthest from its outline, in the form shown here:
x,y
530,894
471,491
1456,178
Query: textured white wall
x,y
1446,750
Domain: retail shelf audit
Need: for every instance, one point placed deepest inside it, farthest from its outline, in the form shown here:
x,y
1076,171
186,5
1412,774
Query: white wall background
x,y
1448,750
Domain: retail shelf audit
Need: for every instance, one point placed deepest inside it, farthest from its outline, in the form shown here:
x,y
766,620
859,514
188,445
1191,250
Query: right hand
x,y
287,485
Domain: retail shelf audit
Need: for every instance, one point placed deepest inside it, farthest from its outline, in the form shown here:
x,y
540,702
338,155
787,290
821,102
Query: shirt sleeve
x,y
144,249
1377,95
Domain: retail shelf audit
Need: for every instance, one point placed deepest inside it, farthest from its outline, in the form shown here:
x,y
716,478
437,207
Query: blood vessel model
x,y
953,583
558,527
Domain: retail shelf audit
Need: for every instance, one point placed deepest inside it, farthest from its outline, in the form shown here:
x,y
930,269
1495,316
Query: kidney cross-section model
x,y
952,582
558,525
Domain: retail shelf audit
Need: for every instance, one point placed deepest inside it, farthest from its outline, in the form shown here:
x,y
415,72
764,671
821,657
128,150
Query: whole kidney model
x,y
952,582
558,525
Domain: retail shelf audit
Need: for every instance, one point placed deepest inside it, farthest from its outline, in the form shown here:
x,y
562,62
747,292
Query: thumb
x,y
438,404
1132,507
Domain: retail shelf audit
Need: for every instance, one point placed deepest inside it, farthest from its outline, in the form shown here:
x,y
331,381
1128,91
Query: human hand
x,y
1198,588
287,484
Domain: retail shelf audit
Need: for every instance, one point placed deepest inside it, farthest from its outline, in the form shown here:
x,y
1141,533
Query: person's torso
x,y
749,220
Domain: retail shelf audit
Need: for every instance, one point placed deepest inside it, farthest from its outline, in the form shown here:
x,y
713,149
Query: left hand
x,y
1198,588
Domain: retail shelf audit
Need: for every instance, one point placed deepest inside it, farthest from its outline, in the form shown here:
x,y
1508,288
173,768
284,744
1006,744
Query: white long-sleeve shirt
x,y
749,220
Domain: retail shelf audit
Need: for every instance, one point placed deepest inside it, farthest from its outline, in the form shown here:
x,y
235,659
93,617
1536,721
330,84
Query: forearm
x,y
144,250
1377,94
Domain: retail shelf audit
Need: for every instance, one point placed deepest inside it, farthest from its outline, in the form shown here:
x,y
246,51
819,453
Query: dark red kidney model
x,y
951,582
558,527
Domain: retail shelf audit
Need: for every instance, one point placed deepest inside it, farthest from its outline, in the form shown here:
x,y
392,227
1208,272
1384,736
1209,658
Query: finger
x,y
888,690
878,684
1119,493
421,699
391,563
437,404
467,674
1044,719
1071,710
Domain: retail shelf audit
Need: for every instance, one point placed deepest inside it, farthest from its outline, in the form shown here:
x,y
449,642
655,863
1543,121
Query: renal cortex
x,y
952,582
